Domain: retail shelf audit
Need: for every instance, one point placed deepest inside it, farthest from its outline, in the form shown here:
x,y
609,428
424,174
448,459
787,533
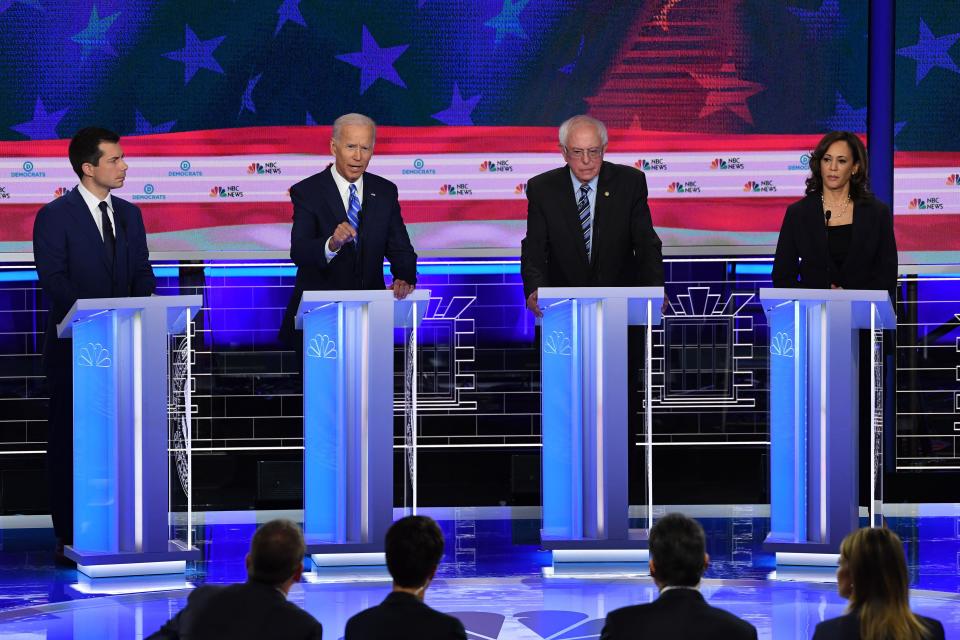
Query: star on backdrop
x,y
725,90
94,36
196,54
824,23
931,51
44,124
246,101
374,61
845,117
142,126
507,22
289,11
458,113
310,120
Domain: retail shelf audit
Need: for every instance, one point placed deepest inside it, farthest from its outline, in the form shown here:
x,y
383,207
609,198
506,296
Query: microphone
x,y
826,216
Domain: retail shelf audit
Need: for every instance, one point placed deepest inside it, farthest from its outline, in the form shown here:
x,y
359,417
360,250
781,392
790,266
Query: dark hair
x,y
677,548
85,147
276,552
859,181
878,570
414,546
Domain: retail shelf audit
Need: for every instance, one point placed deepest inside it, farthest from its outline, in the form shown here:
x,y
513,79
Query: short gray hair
x,y
570,123
356,119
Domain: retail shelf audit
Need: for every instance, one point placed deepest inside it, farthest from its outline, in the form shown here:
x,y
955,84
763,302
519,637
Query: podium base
x,y
118,564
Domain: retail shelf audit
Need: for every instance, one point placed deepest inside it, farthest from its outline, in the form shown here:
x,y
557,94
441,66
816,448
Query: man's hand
x,y
401,289
343,234
532,304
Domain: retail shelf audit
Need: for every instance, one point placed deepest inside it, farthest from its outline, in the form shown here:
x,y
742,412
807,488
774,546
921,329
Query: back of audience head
x,y
414,547
873,576
678,555
276,554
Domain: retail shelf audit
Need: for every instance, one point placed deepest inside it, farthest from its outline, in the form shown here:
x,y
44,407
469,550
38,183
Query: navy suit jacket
x,y
627,252
72,261
802,250
318,210
237,612
401,616
678,614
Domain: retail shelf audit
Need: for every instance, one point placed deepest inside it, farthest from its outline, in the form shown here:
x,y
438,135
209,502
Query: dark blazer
x,y
802,249
678,614
401,616
317,210
848,628
235,612
626,249
72,261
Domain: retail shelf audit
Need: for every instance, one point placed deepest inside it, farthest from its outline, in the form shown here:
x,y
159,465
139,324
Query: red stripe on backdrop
x,y
411,140
919,159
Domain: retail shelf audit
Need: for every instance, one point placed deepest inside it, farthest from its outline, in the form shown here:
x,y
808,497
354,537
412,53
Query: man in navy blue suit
x,y
86,244
345,221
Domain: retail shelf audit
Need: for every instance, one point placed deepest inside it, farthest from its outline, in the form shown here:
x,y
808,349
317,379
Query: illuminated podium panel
x,y
124,384
584,386
814,421
348,404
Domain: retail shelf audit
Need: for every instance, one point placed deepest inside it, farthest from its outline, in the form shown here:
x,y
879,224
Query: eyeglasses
x,y
582,154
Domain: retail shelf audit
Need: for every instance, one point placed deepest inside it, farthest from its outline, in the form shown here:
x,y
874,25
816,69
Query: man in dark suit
x,y
678,559
588,223
86,244
257,608
414,546
345,221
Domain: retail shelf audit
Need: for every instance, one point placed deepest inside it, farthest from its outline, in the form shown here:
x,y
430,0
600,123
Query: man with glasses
x,y
588,223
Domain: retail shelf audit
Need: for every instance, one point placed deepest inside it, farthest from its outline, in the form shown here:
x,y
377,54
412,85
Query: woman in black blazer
x,y
838,235
873,576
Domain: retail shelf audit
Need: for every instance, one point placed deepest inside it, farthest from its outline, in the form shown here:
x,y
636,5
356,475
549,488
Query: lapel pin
x,y
606,194
372,194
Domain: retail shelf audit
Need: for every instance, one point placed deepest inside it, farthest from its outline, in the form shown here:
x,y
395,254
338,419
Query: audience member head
x,y
873,576
276,554
850,147
414,546
678,555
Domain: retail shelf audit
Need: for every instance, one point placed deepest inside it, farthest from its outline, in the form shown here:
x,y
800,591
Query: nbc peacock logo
x,y
520,189
688,186
953,180
718,163
751,186
485,165
653,164
724,164
218,192
61,191
925,204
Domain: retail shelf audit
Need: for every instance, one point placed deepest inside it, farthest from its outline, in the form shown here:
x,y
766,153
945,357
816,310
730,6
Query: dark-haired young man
x,y
86,244
414,546
257,608
678,559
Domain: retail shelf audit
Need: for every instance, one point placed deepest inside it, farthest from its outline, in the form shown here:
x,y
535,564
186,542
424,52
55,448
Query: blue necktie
x,y
353,211
583,208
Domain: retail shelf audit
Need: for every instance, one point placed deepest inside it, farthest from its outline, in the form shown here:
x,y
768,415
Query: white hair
x,y
355,119
570,123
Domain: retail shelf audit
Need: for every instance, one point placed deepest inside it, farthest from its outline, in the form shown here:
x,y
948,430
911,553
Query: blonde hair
x,y
880,597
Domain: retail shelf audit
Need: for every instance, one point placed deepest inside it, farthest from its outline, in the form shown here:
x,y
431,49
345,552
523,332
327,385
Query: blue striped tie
x,y
583,208
353,212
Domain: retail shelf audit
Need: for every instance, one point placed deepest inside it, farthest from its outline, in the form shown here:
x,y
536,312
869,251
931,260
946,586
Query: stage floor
x,y
490,578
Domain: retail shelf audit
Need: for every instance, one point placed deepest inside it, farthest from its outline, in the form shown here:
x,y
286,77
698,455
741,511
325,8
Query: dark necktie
x,y
109,242
583,208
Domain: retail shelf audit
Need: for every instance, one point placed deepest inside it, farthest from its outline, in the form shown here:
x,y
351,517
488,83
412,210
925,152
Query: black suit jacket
x,y
250,610
401,616
802,249
848,628
72,261
626,249
317,210
678,614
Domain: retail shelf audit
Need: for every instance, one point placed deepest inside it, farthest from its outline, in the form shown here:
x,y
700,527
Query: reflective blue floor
x,y
490,578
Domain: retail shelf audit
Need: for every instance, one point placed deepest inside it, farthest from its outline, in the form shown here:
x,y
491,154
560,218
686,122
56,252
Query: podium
x,y
584,387
814,421
348,420
123,388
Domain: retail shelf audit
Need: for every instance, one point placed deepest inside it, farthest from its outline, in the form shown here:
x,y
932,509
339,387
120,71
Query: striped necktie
x,y
583,208
353,211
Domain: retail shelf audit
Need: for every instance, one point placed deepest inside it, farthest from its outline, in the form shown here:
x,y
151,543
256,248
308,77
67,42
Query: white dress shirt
x,y
93,204
343,186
